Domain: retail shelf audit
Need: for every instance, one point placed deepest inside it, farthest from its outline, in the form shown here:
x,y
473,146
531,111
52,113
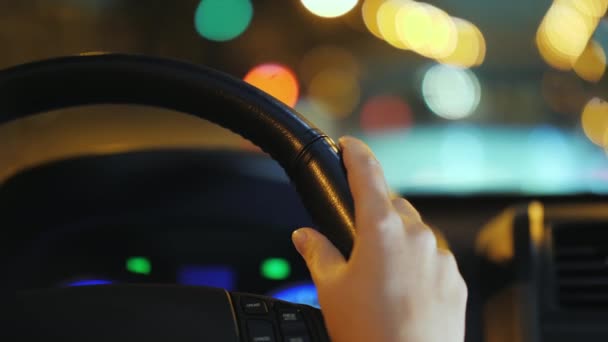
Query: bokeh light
x,y
563,92
275,268
451,92
276,80
222,20
369,11
550,160
591,65
387,22
331,75
591,8
336,90
139,265
383,113
426,29
550,54
594,120
329,8
565,31
470,49
327,57
462,156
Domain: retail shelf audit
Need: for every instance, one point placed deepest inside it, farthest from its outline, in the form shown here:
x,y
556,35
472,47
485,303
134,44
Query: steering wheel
x,y
175,313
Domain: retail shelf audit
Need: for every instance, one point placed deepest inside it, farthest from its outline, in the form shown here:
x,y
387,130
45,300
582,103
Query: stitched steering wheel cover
x,y
309,157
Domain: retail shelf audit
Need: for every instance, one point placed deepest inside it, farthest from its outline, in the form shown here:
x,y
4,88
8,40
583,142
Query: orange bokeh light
x,y
276,80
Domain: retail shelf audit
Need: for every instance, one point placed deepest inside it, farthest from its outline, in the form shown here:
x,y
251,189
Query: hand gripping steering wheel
x,y
173,313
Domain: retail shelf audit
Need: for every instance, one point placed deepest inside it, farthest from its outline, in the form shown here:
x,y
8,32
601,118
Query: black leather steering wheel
x,y
154,313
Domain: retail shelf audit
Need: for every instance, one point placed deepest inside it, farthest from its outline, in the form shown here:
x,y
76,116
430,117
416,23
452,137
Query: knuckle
x,y
389,221
423,238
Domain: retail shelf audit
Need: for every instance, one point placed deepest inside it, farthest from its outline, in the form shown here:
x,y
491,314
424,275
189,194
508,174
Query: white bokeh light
x,y
329,8
450,92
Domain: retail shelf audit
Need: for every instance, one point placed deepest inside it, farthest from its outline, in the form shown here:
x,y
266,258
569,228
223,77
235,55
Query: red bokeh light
x,y
385,113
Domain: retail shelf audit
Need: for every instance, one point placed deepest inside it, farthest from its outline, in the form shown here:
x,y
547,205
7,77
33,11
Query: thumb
x,y
321,256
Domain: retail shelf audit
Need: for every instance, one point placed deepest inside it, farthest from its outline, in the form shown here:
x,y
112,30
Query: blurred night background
x,y
455,96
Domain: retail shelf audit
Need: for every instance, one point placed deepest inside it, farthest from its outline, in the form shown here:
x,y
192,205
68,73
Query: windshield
x,y
469,96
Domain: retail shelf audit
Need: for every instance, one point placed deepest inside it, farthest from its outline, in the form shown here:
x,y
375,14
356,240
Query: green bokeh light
x,y
139,265
275,268
222,20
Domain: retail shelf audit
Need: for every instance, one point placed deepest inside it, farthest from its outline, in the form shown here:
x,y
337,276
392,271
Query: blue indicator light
x,y
88,282
301,293
214,276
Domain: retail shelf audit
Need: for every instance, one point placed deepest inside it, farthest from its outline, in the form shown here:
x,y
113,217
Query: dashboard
x,y
213,218
197,217
193,256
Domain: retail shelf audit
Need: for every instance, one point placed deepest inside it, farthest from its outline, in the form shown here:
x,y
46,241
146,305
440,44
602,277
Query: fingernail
x,y
343,140
299,239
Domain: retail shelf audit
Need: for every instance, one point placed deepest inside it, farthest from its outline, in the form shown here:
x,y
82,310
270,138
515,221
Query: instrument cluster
x,y
236,259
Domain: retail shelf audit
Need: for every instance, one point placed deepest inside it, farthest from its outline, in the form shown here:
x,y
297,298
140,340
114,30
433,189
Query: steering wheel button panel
x,y
282,321
298,338
290,316
260,331
253,305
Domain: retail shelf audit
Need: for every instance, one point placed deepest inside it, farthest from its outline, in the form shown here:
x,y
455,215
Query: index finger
x,y
367,182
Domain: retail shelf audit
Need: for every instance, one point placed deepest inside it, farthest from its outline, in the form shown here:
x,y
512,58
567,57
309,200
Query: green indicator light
x,y
222,20
275,268
140,265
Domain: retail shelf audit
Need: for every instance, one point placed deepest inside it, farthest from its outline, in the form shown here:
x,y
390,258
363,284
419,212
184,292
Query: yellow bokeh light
x,y
329,8
387,22
481,44
592,8
564,32
551,55
426,30
568,30
470,47
413,25
369,11
595,120
336,90
591,65
536,214
324,57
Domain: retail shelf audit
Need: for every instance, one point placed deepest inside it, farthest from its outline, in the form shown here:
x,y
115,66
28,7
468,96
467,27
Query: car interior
x,y
156,157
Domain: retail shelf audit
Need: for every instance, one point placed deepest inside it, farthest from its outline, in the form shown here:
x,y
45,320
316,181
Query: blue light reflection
x,y
88,282
214,276
300,293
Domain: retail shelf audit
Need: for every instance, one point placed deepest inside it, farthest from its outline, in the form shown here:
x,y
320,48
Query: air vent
x,y
580,255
